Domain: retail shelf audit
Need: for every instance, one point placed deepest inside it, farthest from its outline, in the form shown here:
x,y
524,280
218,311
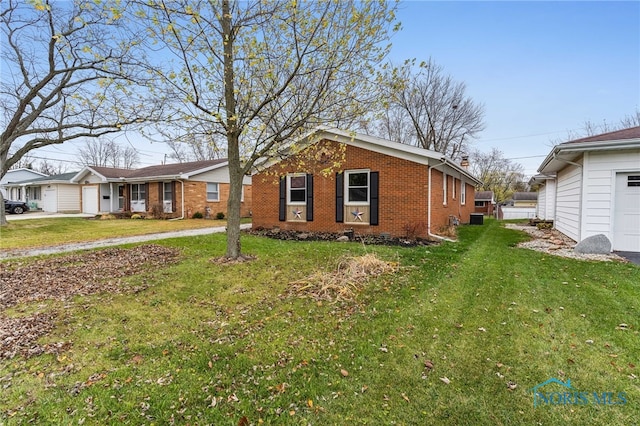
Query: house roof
x,y
163,171
525,196
484,196
566,152
60,178
375,144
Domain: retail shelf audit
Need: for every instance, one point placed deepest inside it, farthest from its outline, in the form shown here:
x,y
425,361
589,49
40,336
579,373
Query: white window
x,y
167,192
357,187
213,191
453,190
463,192
297,189
138,192
444,188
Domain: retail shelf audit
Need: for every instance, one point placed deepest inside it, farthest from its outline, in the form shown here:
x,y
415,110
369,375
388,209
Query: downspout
x,y
181,201
443,162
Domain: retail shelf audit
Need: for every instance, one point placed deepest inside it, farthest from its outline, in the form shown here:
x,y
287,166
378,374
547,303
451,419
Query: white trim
x,y
346,188
289,188
217,191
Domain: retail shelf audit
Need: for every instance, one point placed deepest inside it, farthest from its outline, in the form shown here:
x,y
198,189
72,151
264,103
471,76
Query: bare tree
x,y
51,168
498,174
425,107
257,74
589,128
108,153
69,71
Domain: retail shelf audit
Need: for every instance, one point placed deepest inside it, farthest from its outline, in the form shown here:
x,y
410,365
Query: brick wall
x,y
403,192
196,199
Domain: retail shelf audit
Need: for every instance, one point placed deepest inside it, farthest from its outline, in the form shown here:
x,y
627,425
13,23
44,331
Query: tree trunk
x,y
233,138
3,217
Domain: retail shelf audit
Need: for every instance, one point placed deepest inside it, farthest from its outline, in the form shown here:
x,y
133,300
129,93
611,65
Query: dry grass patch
x,y
346,281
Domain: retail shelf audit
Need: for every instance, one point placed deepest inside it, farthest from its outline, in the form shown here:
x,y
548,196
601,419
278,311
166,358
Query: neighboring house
x,y
336,181
594,183
485,202
525,199
15,192
178,190
49,193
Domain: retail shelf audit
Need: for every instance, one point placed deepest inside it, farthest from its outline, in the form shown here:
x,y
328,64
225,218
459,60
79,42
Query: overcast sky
x,y
541,69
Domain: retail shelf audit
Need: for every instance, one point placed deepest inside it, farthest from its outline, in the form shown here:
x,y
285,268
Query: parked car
x,y
16,207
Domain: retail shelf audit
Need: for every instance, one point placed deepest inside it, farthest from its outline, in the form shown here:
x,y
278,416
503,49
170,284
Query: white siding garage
x,y
598,187
626,220
568,199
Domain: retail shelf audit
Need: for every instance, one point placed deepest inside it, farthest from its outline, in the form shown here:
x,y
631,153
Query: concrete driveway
x,y
13,253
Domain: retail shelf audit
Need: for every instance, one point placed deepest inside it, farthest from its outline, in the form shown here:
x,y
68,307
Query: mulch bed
x,y
61,278
280,234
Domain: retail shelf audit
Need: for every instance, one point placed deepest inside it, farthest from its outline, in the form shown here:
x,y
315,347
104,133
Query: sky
x,y
540,68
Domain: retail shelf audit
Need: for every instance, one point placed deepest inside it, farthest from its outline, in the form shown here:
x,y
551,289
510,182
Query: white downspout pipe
x,y
429,233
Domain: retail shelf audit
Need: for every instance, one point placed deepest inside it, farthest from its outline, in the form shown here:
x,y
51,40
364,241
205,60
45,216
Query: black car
x,y
17,207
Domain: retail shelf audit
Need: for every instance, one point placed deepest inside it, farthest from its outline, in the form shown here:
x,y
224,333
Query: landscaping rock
x,y
342,239
595,244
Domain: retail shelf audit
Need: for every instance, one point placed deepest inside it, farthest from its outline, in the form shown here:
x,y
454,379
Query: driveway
x,y
8,254
631,256
44,215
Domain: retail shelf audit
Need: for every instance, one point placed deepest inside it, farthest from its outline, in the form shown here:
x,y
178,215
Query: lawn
x,y
46,232
459,335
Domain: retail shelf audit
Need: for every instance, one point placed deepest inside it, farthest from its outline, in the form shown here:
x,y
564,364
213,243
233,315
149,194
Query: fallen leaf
x,y
310,403
344,372
428,364
445,380
243,421
511,385
482,329
405,397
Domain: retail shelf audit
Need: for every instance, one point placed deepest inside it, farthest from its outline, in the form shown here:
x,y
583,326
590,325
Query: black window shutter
x,y
161,193
373,214
339,197
309,198
173,196
146,196
283,199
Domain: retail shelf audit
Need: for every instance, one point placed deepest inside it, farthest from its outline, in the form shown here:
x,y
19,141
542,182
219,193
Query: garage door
x,y
50,200
90,199
626,219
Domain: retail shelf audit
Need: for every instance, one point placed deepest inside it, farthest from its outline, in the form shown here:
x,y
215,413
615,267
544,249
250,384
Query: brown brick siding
x,y
403,193
196,198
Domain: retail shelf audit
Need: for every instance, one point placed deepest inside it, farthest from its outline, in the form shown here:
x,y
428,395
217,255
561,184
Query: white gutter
x,y
443,162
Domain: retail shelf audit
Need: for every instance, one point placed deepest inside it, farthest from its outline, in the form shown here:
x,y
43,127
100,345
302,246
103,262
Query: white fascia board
x,y
568,151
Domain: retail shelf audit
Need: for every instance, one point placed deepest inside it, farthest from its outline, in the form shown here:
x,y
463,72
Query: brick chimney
x,y
465,162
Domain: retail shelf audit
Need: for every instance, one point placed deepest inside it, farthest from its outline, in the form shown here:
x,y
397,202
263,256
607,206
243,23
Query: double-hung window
x,y
357,186
297,189
213,191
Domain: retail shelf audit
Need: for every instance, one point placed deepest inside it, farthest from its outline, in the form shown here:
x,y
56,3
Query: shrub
x,y
197,215
157,211
136,216
219,215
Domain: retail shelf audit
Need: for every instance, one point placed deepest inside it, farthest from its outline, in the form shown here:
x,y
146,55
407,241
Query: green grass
x,y
47,232
211,344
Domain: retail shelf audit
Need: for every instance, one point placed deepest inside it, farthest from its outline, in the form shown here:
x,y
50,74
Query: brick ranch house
x,y
335,181
178,190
